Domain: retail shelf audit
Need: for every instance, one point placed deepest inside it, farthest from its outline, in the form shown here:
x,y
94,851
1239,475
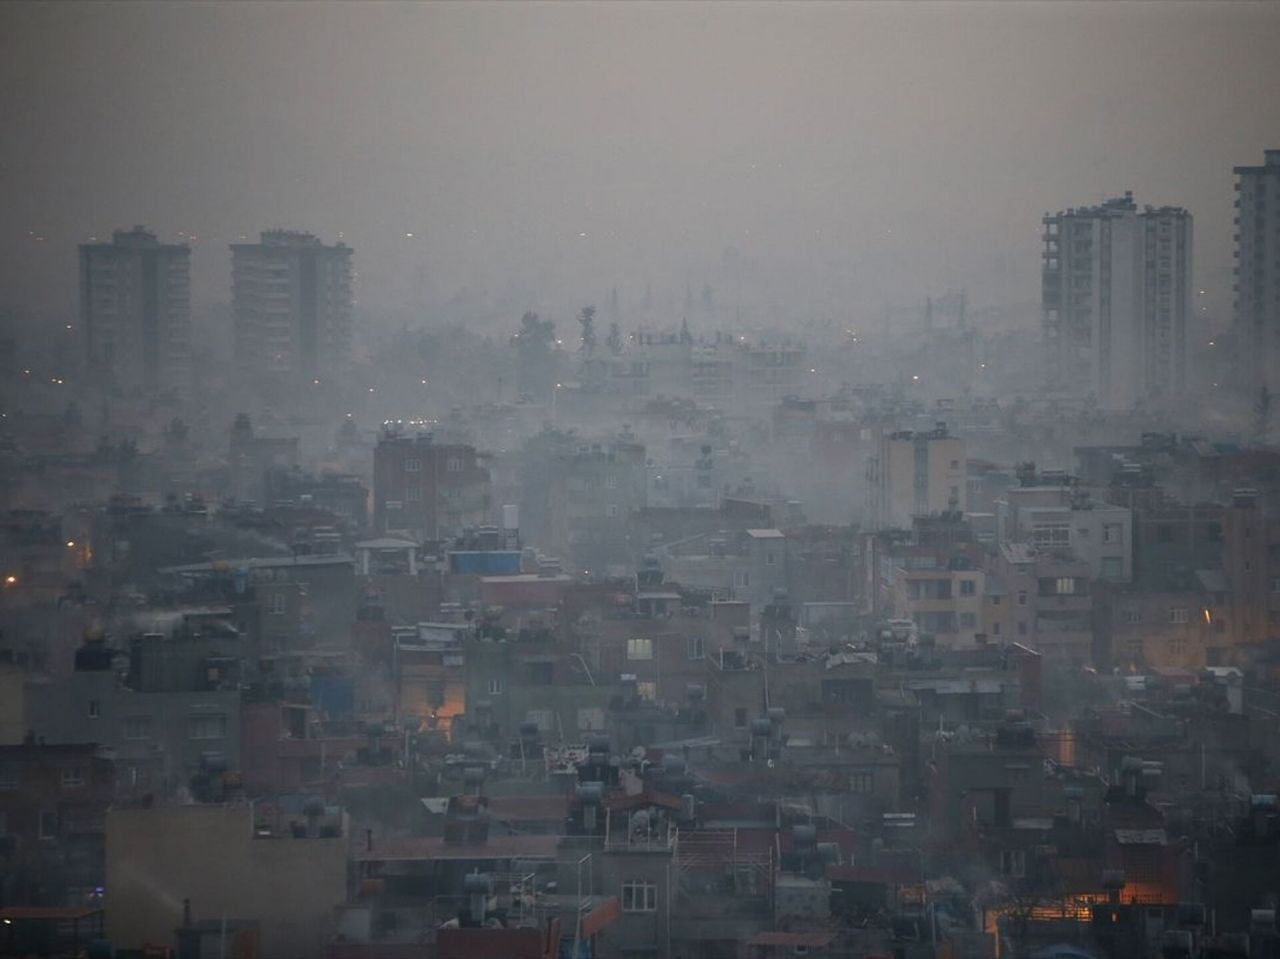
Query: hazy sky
x,y
853,154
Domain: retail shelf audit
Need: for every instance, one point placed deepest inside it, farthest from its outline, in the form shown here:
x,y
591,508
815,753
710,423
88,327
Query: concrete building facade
x,y
1116,292
135,311
292,296
918,473
1257,271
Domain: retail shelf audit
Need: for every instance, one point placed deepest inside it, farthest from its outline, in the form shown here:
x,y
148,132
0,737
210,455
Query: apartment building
x,y
135,312
292,296
1116,294
1256,287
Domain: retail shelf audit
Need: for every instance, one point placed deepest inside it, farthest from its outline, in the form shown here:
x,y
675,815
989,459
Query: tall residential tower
x,y
1116,294
135,311
1257,272
292,297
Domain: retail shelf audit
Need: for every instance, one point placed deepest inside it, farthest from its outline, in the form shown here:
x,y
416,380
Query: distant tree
x,y
587,320
614,339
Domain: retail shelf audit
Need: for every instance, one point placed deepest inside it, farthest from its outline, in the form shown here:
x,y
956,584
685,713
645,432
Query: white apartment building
x,y
1062,519
292,297
1116,293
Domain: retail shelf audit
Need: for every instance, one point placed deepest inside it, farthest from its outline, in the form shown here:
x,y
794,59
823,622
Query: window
x,y
639,649
1066,585
48,824
1177,645
968,620
544,719
1013,862
1177,614
1051,534
413,494
696,647
207,727
647,691
137,727
393,504
639,896
611,510
591,719
413,465
495,687
455,464
863,783
95,709
1022,597
771,558
1111,567
741,578
10,776
1133,616
740,718
71,777
1275,586
995,600
995,629
1112,533
968,587
611,481
277,604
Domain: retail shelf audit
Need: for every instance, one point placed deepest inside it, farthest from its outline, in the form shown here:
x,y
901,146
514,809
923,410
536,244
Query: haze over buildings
x,y
603,480
829,159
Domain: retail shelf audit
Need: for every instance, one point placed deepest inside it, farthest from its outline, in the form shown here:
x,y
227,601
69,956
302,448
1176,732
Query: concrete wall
x,y
158,857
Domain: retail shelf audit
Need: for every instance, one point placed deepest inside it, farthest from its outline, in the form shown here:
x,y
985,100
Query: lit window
x,y
639,649
1066,585
639,896
647,691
